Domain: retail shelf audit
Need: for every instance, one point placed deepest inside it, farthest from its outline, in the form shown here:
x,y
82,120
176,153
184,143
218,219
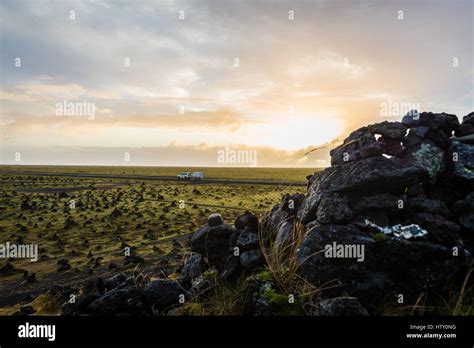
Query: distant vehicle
x,y
197,176
184,176
191,176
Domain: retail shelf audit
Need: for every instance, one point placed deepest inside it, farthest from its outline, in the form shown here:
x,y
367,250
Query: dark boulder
x,y
439,138
341,306
464,209
415,136
285,211
411,119
251,259
333,209
389,130
125,301
440,230
115,280
428,157
465,129
7,269
232,268
363,143
25,310
468,119
163,294
248,240
315,265
441,121
214,243
350,149
451,124
435,120
285,233
462,156
247,221
411,140
25,205
382,147
420,131
90,291
63,265
192,269
426,205
371,269
383,201
356,179
215,219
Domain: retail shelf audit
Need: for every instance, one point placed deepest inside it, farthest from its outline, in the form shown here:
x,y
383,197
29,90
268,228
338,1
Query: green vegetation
x,y
89,222
380,237
257,173
280,303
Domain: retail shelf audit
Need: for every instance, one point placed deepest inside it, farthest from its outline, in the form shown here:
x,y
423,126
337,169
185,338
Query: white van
x,y
197,176
184,176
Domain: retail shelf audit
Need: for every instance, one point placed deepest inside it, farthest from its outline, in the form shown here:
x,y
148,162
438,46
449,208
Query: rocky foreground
x,y
389,226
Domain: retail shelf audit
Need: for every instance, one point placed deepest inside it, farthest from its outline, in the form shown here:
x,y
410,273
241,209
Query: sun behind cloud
x,y
294,132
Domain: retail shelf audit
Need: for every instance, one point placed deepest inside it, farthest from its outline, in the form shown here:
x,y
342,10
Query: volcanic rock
x,y
247,221
463,161
192,269
117,302
214,219
214,243
162,294
333,208
341,306
355,179
428,157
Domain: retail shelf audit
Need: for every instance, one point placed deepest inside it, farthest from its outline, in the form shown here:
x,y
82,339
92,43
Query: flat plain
x,y
91,223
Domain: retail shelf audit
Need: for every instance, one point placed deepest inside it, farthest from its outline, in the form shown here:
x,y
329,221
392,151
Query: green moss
x,y
47,305
9,310
192,309
380,237
280,304
265,276
210,274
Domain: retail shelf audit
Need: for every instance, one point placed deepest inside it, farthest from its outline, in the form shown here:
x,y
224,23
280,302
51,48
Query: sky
x,y
176,82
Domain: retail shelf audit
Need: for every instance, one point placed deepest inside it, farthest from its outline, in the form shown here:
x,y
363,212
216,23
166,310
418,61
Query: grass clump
x,y
283,269
461,302
192,309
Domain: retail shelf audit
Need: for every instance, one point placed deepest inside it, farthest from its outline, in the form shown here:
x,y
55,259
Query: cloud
x,y
169,155
333,65
189,119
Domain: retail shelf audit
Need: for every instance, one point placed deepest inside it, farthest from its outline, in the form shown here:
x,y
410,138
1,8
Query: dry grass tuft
x,y
282,262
